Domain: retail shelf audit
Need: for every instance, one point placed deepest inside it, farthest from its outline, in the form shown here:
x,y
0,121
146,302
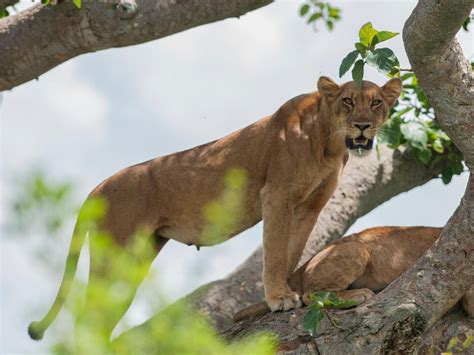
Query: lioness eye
x,y
347,101
376,103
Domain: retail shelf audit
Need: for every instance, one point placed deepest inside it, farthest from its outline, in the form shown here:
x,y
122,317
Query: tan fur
x,y
361,264
292,161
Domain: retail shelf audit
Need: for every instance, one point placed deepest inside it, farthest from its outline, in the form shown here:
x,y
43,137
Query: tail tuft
x,y
252,311
35,331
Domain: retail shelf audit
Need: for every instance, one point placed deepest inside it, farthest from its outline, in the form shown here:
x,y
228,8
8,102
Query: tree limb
x,y
294,339
44,36
5,3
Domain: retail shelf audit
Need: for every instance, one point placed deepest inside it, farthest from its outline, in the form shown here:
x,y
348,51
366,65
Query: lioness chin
x,y
292,161
357,266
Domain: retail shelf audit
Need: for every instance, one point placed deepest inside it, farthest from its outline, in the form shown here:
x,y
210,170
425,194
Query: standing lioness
x,y
292,160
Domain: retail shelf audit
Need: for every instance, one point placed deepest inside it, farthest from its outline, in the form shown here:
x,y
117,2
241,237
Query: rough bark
x,y
42,37
5,3
365,184
294,339
407,315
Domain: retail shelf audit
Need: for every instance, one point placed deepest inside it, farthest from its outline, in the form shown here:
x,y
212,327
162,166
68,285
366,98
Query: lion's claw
x,y
284,302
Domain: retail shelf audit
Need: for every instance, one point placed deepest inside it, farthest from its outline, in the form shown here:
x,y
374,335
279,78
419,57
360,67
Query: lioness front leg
x,y
305,217
277,211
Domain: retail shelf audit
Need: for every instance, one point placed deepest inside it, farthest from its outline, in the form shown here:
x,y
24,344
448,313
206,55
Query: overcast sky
x,y
98,113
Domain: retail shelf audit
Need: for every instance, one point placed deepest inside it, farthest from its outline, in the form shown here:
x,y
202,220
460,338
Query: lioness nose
x,y
362,126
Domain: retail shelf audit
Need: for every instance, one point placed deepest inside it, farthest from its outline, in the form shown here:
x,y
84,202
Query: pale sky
x,y
98,113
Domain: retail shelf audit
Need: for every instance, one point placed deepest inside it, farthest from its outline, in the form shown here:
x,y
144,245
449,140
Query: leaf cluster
x,y
412,124
382,59
314,11
457,346
321,301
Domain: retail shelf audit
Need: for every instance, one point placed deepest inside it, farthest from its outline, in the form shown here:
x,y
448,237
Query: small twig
x,y
330,315
403,69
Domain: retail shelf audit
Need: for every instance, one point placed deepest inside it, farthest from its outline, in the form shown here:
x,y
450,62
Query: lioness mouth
x,y
359,143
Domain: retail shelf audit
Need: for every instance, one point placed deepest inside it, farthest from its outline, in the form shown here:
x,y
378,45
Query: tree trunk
x,y
44,36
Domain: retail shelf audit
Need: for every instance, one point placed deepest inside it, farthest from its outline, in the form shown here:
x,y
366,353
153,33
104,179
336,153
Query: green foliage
x,y
382,59
223,214
456,346
412,124
41,202
412,121
467,22
321,302
314,11
4,13
175,330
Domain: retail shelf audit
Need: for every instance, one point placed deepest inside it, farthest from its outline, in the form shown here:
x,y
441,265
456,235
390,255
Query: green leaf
x,y
452,343
78,3
382,36
367,34
457,167
304,9
347,62
358,72
390,133
423,155
437,146
361,48
446,175
314,17
382,59
342,304
330,25
415,133
468,342
312,319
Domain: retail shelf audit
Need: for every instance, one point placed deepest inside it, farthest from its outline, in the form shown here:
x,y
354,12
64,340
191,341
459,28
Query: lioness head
x,y
359,112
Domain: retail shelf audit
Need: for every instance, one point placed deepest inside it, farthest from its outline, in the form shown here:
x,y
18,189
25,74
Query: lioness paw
x,y
285,302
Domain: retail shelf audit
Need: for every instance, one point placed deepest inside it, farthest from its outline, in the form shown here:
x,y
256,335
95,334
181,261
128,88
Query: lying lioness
x,y
292,161
356,267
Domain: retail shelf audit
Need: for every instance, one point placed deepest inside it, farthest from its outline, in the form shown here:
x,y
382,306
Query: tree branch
x,y
439,64
5,3
42,37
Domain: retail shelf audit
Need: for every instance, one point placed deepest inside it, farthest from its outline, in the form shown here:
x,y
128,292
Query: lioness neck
x,y
318,122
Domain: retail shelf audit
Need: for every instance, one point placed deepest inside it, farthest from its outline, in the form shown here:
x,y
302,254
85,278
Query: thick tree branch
x,y
366,183
5,3
294,339
42,37
439,64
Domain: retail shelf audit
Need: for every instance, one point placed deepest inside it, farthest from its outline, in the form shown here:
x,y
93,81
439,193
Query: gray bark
x,y
5,3
42,37
408,314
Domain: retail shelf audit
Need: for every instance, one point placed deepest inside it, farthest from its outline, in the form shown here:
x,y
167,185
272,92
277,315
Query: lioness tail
x,y
36,329
255,310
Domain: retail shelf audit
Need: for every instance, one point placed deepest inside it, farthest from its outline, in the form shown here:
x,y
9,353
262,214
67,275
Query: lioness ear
x,y
327,87
391,91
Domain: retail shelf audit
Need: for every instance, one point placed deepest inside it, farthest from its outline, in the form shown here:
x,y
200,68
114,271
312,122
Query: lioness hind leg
x,y
468,302
359,295
335,269
113,281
